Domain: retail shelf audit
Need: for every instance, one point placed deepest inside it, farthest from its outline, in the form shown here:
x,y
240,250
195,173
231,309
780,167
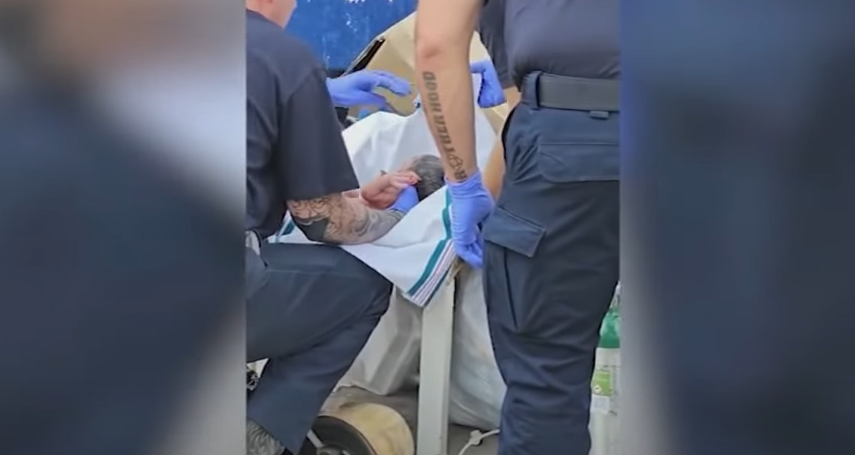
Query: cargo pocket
x,y
510,246
579,162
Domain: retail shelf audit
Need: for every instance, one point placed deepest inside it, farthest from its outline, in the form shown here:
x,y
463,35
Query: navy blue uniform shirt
x,y
577,38
491,27
294,148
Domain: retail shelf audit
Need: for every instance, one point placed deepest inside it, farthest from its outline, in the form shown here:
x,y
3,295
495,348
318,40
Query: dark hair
x,y
429,169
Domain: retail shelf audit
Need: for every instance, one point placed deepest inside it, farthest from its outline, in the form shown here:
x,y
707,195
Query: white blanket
x,y
417,254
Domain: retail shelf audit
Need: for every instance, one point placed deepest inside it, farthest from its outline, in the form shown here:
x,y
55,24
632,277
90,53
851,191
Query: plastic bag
x,y
391,354
477,388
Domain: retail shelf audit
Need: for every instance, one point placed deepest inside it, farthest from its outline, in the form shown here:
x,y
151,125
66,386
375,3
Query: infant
x,y
424,172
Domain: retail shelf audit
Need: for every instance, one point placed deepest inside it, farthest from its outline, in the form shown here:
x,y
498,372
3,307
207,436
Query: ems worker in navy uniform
x,y
310,308
549,247
491,28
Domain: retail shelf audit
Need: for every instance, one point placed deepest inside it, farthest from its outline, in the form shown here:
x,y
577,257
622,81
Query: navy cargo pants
x,y
550,270
310,311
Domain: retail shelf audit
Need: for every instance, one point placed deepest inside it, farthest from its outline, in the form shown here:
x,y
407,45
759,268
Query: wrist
x,y
468,173
472,183
396,212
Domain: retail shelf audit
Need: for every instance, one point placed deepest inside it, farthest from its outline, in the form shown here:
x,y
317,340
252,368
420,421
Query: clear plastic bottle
x,y
605,385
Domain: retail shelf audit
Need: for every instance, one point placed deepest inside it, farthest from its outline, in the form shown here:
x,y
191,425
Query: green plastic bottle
x,y
610,330
605,385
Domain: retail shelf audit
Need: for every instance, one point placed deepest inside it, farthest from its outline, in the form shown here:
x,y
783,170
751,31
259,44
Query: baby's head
x,y
430,172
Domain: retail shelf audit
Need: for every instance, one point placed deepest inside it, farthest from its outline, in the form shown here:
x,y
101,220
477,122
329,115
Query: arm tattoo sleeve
x,y
446,147
337,219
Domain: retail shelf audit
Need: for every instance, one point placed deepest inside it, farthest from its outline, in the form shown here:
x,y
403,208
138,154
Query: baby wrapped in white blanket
x,y
417,253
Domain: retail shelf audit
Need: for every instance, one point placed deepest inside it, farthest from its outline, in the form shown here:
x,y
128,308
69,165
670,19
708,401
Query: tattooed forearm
x,y
443,138
369,225
336,219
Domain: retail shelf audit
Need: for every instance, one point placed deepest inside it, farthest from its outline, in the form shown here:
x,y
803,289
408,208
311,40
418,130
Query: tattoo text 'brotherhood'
x,y
445,144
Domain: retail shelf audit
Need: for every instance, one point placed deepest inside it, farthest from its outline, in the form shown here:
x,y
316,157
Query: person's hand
x,y
491,93
470,205
382,192
407,199
357,89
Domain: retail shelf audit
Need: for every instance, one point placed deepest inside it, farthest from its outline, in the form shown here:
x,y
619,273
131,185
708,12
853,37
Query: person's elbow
x,y
444,29
314,232
436,45
315,217
429,47
512,95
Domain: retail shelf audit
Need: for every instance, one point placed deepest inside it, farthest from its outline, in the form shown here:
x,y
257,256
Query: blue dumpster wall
x,y
338,30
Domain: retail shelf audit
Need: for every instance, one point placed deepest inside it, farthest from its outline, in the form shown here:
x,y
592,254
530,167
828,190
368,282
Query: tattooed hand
x,y
337,219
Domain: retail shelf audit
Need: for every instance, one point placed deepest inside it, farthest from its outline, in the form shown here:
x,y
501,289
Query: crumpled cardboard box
x,y
396,54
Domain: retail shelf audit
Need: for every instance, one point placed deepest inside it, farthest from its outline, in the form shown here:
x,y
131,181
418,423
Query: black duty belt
x,y
575,93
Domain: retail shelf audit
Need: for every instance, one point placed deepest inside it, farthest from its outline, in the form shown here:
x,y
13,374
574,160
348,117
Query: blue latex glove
x,y
357,89
470,205
407,199
491,93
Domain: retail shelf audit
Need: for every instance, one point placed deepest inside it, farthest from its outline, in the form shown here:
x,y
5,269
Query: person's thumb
x,y
407,199
479,67
410,194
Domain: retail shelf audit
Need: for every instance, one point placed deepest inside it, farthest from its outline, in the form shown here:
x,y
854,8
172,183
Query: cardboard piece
x,y
394,51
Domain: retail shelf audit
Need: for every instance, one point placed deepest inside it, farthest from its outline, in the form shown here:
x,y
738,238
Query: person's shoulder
x,y
264,39
270,47
285,48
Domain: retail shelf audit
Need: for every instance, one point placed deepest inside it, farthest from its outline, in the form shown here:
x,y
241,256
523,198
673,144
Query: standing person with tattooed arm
x,y
550,246
310,307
